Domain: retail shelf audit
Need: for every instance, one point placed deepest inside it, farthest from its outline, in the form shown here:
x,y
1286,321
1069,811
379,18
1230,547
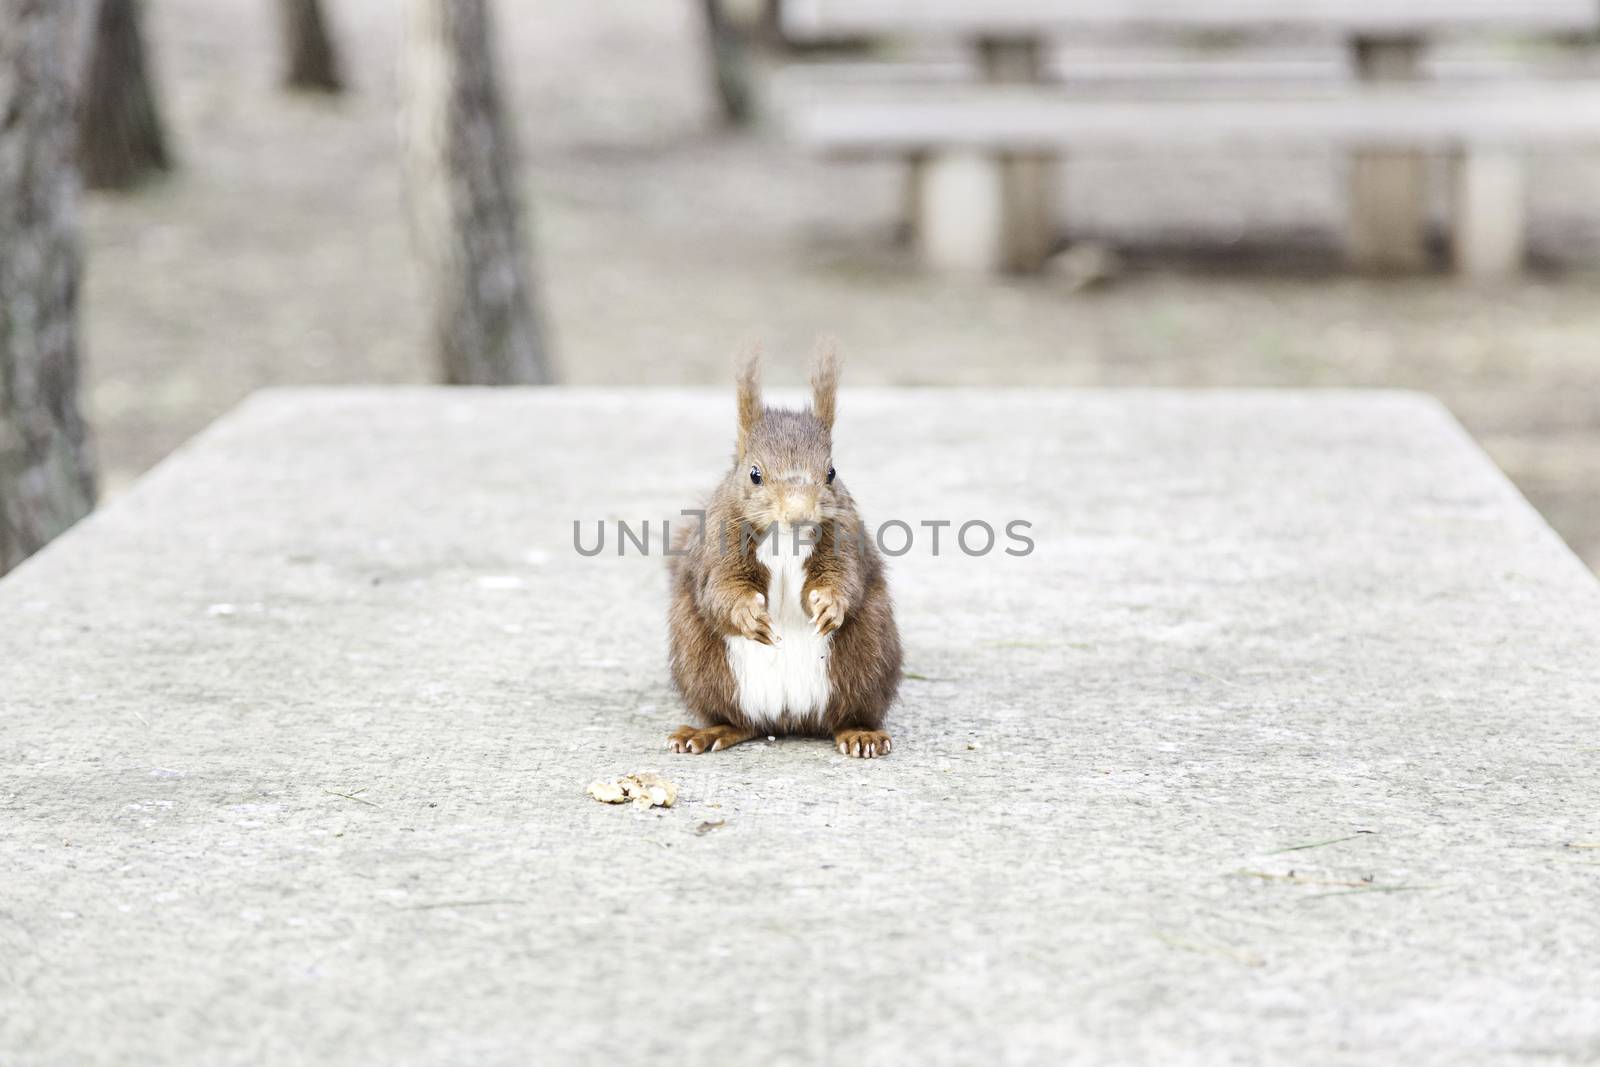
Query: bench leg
x,y
1490,213
982,214
961,221
911,199
1027,178
1388,211
1029,182
1388,186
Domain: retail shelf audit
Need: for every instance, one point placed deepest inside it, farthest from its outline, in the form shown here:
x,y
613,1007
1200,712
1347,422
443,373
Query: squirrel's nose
x,y
799,504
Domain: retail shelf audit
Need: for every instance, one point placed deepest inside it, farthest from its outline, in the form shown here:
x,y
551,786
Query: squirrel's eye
x,y
755,475
830,475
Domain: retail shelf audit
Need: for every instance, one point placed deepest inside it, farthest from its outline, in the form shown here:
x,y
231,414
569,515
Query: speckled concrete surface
x,y
295,737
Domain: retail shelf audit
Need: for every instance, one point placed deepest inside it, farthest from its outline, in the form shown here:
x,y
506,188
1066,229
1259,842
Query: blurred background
x,y
669,209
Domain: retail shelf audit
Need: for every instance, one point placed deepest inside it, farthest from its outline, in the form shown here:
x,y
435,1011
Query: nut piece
x,y
606,792
644,789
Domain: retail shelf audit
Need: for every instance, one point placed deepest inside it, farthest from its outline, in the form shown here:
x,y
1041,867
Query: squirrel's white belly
x,y
793,676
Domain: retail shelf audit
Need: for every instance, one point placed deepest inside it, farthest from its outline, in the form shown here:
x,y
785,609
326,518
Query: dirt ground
x,y
279,254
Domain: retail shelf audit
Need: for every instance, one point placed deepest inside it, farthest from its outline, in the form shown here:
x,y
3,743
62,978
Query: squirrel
x,y
780,619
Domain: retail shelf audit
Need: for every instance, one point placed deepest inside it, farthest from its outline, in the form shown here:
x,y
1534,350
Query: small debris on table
x,y
706,827
643,789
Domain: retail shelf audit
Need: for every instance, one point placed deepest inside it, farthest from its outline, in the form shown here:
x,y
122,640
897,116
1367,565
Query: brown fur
x,y
825,382
716,593
749,393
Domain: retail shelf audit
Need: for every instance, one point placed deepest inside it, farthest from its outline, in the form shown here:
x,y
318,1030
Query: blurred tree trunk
x,y
313,61
120,137
46,475
730,62
461,187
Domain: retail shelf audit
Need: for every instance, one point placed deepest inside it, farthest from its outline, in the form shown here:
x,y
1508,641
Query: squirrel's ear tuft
x,y
825,380
749,382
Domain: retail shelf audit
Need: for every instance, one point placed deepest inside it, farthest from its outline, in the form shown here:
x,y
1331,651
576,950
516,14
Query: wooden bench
x,y
988,206
1022,19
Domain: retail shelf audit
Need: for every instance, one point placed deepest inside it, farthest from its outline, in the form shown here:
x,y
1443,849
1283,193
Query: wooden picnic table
x,y
1271,750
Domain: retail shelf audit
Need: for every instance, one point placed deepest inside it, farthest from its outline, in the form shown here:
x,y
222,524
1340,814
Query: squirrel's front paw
x,y
867,744
750,618
827,609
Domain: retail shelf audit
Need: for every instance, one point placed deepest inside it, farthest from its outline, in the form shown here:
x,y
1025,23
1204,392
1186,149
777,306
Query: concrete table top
x,y
1276,748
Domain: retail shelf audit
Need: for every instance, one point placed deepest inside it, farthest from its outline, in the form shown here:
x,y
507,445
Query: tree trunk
x,y
120,137
46,475
313,62
730,63
460,183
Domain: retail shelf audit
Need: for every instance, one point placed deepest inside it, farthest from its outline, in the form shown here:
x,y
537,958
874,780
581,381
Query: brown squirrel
x,y
780,617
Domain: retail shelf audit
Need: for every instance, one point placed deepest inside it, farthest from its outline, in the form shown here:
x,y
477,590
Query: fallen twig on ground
x,y
354,796
1298,880
1319,844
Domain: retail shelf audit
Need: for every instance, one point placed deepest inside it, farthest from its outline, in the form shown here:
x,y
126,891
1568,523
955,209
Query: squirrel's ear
x,y
749,379
824,380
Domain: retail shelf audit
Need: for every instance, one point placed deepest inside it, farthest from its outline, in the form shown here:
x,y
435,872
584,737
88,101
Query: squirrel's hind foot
x,y
698,739
867,744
